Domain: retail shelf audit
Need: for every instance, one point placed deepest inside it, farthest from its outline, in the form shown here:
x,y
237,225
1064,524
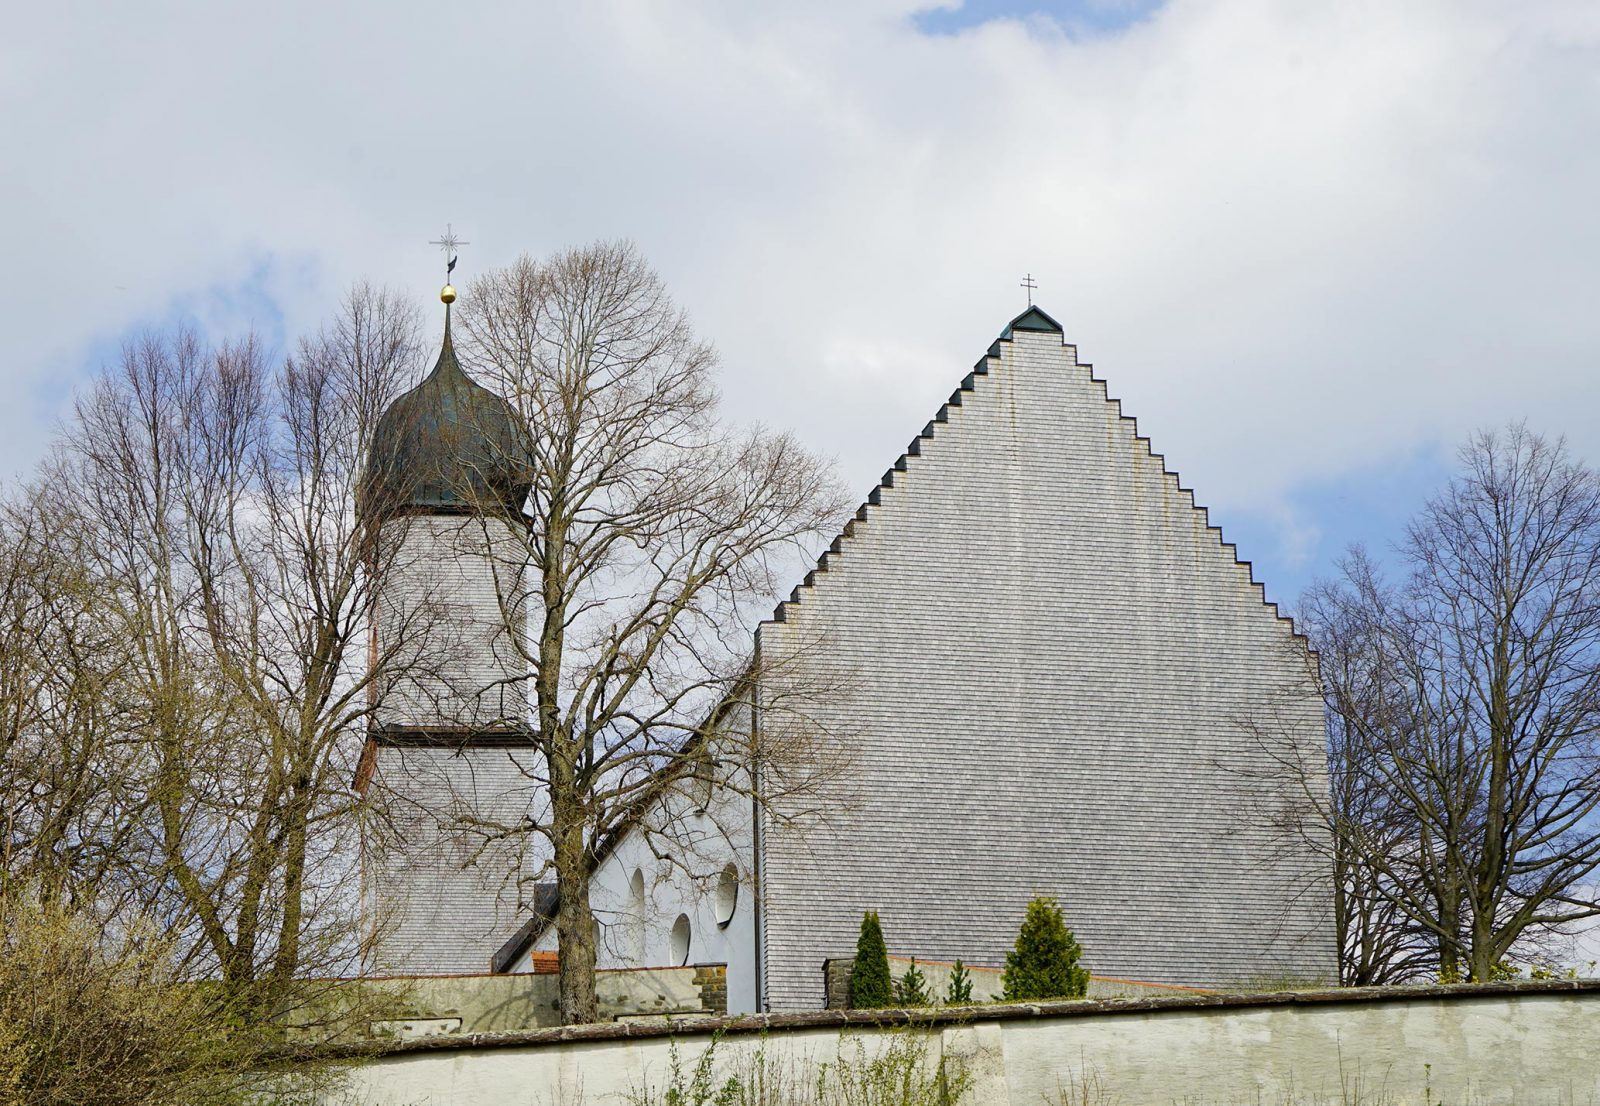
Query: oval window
x,y
727,897
636,910
680,940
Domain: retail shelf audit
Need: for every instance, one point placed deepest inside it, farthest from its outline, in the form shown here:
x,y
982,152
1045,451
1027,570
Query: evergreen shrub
x,y
958,992
911,989
1044,963
870,983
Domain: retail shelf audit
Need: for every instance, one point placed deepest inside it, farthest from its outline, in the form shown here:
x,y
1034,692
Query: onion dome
x,y
448,446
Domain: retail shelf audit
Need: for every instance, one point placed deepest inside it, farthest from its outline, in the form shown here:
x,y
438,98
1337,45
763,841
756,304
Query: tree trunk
x,y
1449,946
574,920
286,959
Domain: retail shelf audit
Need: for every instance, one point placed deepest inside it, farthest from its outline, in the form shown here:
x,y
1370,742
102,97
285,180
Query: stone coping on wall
x,y
423,978
958,1015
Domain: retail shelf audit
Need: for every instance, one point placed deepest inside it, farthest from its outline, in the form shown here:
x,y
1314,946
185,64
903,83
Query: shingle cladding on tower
x,y
447,476
1061,678
440,894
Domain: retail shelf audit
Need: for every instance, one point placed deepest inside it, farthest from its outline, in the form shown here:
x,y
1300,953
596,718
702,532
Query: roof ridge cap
x,y
1195,505
901,464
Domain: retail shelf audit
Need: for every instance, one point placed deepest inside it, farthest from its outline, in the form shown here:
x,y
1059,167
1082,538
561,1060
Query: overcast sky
x,y
1310,245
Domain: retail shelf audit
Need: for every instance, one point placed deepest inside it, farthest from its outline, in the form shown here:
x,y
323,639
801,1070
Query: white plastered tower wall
x,y
453,596
1057,661
449,762
441,896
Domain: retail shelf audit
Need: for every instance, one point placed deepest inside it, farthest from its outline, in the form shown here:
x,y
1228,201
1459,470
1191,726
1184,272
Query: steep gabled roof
x,y
1034,319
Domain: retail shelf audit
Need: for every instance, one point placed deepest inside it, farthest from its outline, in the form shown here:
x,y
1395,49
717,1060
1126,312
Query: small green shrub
x,y
1044,963
1545,969
911,989
871,986
958,991
1500,971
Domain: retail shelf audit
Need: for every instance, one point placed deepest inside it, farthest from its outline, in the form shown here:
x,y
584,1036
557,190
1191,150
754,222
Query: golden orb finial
x,y
449,243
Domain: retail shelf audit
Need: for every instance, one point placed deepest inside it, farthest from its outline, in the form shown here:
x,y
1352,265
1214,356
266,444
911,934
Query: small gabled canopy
x,y
448,446
1032,319
546,901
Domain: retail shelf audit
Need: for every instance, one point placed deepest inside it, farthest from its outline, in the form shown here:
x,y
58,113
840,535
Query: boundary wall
x,y
1524,1043
430,1007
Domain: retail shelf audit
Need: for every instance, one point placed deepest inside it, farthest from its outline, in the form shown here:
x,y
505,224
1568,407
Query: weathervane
x,y
449,243
1027,282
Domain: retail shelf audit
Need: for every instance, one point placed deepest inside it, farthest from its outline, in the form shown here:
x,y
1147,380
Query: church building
x,y
1055,678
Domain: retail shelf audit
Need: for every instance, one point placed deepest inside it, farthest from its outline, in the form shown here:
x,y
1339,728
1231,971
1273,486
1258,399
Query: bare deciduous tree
x,y
198,526
1379,942
1465,704
653,534
65,748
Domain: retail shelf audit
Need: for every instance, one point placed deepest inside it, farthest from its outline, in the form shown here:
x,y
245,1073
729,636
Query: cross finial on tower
x,y
449,243
1030,284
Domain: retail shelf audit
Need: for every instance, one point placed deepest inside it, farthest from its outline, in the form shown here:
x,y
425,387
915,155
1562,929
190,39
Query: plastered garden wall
x,y
410,1007
1488,1044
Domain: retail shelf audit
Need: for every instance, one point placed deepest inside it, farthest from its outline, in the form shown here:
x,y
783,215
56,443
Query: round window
x,y
680,940
727,897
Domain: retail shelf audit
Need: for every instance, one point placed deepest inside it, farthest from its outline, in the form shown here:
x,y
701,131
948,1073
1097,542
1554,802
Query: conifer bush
x,y
870,983
911,989
958,991
1044,963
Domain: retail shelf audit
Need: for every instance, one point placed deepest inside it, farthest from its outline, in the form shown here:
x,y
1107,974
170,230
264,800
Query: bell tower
x,y
448,754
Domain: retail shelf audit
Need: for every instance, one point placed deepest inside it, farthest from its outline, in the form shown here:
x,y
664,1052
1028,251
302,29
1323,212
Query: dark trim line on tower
x,y
390,735
453,737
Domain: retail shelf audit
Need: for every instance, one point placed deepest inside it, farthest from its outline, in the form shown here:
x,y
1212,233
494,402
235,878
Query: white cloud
x,y
1298,239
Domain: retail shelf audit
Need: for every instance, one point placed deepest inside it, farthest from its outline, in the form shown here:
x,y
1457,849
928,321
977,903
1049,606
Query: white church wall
x,y
649,883
1052,657
688,886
